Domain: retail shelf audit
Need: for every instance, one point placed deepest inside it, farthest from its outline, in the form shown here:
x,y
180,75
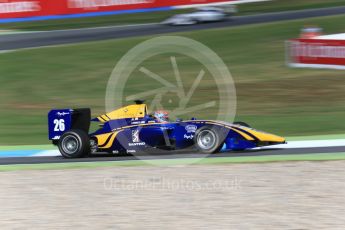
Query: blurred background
x,y
60,54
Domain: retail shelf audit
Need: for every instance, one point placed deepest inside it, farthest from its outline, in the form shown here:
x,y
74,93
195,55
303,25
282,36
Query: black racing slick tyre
x,y
74,144
210,139
241,123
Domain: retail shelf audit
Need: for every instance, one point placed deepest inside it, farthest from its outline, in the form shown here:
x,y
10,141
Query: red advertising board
x,y
31,8
317,53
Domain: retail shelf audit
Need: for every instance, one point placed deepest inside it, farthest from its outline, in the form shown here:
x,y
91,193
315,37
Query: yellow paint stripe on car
x,y
105,118
102,138
100,119
262,136
137,125
246,136
110,142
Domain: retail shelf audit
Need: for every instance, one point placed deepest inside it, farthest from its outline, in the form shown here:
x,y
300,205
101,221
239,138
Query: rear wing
x,y
63,120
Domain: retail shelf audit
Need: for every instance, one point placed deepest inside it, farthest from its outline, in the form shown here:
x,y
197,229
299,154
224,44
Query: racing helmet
x,y
161,116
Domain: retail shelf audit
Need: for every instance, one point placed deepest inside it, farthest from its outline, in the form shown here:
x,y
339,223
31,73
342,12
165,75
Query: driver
x,y
161,116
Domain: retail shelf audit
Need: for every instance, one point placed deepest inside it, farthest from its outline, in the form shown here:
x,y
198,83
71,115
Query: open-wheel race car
x,y
131,129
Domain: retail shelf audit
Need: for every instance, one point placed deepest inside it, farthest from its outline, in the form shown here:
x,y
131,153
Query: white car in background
x,y
204,14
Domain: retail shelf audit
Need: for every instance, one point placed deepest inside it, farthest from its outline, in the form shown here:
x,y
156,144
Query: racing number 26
x,y
59,125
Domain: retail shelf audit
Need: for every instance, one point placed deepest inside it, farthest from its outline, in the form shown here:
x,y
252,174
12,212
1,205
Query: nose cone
x,y
265,137
275,138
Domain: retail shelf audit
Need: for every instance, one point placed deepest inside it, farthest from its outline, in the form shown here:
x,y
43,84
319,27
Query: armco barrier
x,y
28,10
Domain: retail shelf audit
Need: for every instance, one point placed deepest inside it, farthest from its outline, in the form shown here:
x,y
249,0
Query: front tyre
x,y
74,144
209,139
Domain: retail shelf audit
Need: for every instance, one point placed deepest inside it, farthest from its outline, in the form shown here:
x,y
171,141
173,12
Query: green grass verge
x,y
244,9
317,137
172,162
271,96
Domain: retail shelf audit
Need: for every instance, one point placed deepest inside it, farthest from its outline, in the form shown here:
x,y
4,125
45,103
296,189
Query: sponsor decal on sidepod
x,y
191,128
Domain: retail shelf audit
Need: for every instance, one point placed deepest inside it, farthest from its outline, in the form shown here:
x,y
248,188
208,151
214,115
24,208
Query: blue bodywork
x,y
138,134
59,121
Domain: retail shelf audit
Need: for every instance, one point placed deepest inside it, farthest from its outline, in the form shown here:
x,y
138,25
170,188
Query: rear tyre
x,y
209,139
74,144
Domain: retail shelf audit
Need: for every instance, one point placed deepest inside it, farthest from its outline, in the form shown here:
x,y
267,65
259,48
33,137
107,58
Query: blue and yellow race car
x,y
131,129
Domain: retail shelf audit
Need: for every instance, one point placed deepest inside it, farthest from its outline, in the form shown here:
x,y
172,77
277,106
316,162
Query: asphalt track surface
x,y
59,37
168,155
